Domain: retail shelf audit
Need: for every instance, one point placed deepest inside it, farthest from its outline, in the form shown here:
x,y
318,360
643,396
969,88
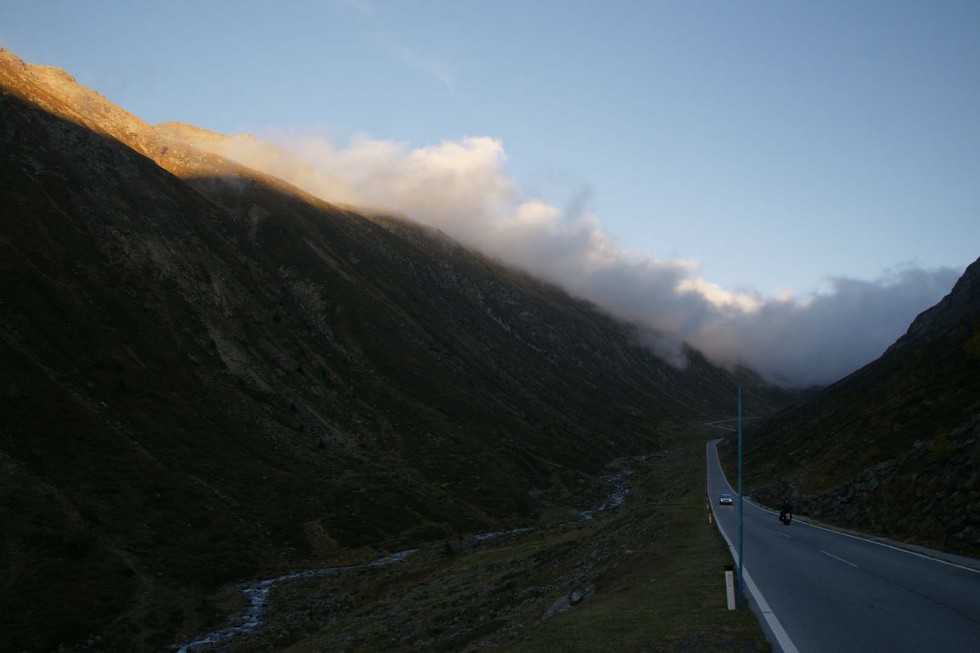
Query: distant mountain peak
x,y
955,308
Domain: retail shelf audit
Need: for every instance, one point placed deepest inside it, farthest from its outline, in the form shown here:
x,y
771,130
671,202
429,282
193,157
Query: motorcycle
x,y
786,517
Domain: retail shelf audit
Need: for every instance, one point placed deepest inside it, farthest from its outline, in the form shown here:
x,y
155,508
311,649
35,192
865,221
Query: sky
x,y
784,184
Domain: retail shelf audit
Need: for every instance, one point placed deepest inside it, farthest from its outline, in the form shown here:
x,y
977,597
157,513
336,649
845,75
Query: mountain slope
x,y
208,375
894,448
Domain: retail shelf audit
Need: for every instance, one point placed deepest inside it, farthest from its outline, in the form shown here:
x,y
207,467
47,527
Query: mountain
x,y
894,448
208,376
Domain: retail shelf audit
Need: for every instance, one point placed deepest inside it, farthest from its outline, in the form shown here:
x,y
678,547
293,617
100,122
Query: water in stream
x,y
252,618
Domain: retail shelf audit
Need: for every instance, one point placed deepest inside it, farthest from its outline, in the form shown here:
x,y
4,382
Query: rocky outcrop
x,y
929,495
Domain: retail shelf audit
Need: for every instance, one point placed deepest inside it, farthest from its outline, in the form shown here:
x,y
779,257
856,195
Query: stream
x,y
251,620
257,593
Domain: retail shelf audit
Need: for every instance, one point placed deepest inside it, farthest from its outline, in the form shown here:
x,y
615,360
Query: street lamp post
x,y
741,539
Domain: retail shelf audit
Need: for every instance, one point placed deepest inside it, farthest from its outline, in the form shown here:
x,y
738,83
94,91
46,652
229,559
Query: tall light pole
x,y
741,539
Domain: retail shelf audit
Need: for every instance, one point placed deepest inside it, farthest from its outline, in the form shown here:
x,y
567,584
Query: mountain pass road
x,y
821,590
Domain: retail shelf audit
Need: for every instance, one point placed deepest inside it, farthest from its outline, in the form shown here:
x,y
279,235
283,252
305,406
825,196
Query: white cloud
x,y
414,58
830,334
461,187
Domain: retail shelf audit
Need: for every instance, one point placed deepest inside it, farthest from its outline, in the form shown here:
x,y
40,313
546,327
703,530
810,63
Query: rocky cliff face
x,y
894,448
207,375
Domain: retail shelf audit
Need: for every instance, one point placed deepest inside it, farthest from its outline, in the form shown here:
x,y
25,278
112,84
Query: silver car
x,y
726,499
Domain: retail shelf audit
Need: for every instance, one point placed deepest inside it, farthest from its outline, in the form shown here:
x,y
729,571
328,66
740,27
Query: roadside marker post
x,y
730,586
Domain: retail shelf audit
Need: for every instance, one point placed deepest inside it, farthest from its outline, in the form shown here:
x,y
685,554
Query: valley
x,y
212,378
239,417
645,572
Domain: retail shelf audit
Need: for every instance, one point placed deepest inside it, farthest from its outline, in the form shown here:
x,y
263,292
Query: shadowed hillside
x,y
209,376
894,448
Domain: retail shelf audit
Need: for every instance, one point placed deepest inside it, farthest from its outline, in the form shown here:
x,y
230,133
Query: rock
x,y
559,606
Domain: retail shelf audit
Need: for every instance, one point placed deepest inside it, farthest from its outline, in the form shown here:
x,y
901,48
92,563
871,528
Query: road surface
x,y
820,590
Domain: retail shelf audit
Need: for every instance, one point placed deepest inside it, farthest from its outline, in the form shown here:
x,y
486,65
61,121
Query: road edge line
x,y
782,637
888,546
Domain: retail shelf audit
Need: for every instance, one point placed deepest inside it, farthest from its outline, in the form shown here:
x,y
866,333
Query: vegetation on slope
x,y
207,376
647,576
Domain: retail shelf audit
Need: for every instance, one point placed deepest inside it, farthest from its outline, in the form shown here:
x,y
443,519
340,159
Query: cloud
x,y
461,187
429,65
382,32
828,335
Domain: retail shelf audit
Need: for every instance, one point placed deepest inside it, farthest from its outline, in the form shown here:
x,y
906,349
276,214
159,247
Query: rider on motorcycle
x,y
787,509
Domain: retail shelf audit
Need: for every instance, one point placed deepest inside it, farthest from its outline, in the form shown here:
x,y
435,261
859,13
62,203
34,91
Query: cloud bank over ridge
x,y
461,187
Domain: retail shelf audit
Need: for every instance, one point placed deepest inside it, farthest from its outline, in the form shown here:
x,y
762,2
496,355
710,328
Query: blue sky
x,y
773,146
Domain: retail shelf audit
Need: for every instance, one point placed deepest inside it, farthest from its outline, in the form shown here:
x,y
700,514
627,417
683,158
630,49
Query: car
x,y
726,499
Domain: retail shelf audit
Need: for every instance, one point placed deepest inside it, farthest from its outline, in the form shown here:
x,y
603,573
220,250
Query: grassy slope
x,y
651,572
668,593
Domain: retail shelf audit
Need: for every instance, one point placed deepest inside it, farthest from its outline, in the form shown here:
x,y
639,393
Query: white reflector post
x,y
730,586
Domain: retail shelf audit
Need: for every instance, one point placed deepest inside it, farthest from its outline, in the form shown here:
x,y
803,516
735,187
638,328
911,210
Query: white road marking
x,y
839,559
782,638
784,535
889,546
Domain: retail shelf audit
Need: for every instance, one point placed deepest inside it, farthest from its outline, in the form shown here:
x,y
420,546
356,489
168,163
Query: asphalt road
x,y
820,590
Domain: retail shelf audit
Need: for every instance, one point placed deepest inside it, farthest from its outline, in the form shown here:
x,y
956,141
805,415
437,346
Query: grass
x,y
667,593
